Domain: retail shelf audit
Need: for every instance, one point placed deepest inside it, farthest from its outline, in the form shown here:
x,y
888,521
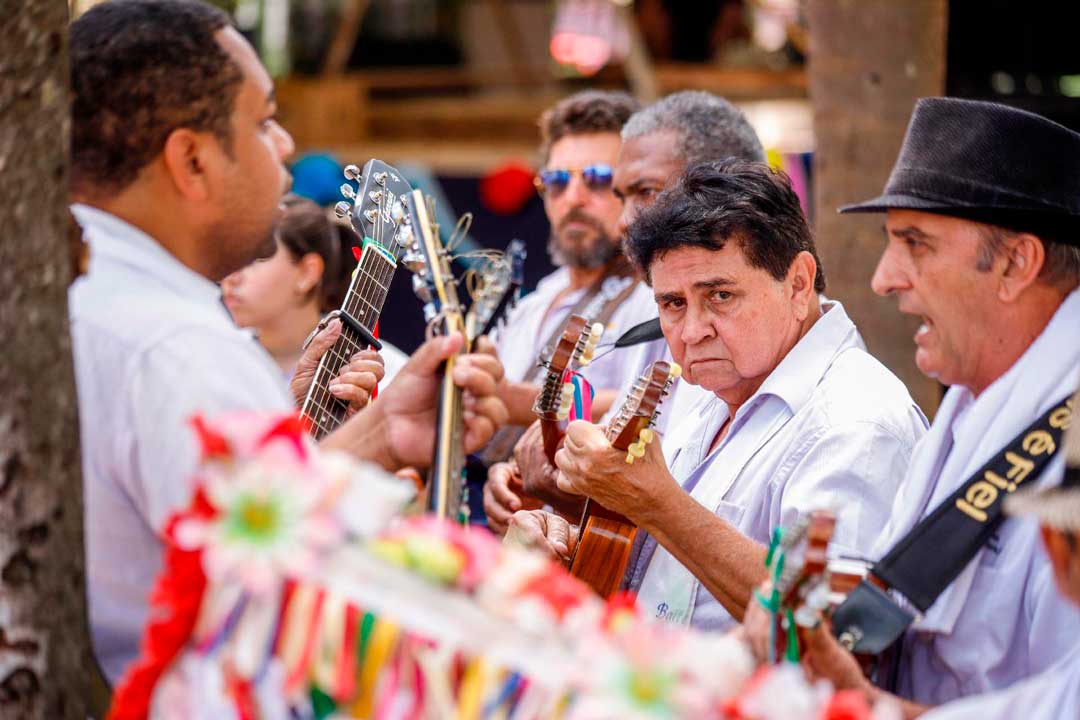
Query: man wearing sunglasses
x,y
579,145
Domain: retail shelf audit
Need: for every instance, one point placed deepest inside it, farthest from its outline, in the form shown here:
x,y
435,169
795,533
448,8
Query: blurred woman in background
x,y
282,297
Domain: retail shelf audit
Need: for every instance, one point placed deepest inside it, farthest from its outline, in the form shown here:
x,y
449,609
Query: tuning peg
x,y
371,215
342,209
421,288
676,370
380,178
397,212
637,449
404,235
376,196
413,262
646,435
595,332
353,173
347,190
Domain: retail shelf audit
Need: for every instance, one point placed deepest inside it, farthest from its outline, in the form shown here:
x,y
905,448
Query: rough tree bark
x,y
45,661
869,61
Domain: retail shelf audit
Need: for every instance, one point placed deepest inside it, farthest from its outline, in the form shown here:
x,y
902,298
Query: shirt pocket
x,y
731,513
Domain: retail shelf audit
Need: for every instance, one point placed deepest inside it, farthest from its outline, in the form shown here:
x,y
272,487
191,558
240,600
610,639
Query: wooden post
x,y
869,61
45,662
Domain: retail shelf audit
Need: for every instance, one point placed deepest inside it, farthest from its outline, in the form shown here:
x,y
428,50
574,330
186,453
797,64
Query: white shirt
x,y
153,345
1053,694
1001,620
830,427
520,341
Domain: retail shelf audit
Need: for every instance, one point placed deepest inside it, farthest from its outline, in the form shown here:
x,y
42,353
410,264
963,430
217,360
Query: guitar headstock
x,y
433,279
631,427
803,586
575,348
378,210
500,288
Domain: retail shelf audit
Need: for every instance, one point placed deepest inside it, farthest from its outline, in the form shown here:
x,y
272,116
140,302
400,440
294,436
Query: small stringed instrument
x,y
552,405
606,538
435,285
810,584
377,213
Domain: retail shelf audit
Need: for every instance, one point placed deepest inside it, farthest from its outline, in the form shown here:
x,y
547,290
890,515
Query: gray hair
x,y
1061,269
709,127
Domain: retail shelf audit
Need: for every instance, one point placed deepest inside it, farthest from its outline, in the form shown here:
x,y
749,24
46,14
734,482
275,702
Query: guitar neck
x,y
446,497
363,303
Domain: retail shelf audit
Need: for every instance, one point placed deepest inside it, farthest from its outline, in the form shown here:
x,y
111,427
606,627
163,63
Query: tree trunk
x,y
45,661
869,61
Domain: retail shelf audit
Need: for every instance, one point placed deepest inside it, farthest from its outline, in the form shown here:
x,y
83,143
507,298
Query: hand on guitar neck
x,y
355,381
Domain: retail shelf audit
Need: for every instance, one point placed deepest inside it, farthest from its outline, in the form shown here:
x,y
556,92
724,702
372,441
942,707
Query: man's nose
x,y
889,275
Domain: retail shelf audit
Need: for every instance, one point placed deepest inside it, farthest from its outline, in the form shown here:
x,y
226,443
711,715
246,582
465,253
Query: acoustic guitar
x,y
377,212
605,537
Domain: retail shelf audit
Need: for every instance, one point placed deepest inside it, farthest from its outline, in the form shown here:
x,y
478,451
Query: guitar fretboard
x,y
364,302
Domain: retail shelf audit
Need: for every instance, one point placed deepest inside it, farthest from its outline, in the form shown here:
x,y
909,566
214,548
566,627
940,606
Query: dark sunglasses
x,y
595,177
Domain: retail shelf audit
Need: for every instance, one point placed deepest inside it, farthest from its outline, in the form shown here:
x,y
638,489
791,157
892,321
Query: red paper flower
x,y
507,188
846,705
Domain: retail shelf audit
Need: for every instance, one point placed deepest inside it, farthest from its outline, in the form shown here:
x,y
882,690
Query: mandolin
x,y
437,288
552,405
809,585
606,538
377,212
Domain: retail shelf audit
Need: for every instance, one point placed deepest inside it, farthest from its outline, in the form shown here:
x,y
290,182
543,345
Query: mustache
x,y
578,215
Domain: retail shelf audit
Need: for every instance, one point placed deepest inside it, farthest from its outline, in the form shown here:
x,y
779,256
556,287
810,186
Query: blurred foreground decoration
x,y
294,588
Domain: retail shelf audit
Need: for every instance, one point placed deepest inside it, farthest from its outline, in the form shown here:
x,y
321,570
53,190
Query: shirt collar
x,y
118,241
794,379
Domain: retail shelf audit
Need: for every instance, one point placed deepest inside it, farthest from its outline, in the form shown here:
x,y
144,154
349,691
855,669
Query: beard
x,y
237,247
575,249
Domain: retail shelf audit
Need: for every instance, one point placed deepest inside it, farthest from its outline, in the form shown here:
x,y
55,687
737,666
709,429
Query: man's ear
x,y
1024,256
801,277
186,157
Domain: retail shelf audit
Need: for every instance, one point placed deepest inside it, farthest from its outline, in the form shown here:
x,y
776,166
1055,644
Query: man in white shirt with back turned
x,y
177,174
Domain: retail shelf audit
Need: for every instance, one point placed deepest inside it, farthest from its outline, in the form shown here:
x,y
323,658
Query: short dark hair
x,y
307,228
589,111
708,127
140,69
714,202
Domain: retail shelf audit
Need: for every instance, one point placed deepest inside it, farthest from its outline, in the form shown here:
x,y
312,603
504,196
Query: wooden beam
x,y
869,61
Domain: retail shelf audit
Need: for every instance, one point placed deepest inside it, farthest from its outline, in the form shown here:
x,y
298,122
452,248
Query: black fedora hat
x,y
986,162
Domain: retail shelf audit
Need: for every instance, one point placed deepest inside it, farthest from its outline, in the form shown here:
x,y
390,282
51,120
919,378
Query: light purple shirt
x,y
829,427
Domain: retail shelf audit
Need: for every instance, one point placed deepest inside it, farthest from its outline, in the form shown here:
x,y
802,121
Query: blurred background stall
x,y
449,91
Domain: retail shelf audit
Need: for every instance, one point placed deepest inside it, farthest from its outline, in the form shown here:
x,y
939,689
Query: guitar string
x,y
368,279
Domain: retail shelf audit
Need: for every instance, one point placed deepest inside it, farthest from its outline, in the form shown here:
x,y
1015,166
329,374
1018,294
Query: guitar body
x,y
603,551
606,538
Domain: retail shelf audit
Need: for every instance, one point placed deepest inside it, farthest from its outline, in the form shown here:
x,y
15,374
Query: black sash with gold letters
x,y
938,548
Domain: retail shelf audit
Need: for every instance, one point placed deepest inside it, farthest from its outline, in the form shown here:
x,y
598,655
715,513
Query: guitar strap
x,y
501,446
926,560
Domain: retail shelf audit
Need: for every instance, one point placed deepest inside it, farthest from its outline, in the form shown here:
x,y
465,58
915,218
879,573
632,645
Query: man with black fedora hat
x,y
1054,693
983,243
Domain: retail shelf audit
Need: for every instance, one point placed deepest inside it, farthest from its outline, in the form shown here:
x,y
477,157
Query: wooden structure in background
x,y
870,61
